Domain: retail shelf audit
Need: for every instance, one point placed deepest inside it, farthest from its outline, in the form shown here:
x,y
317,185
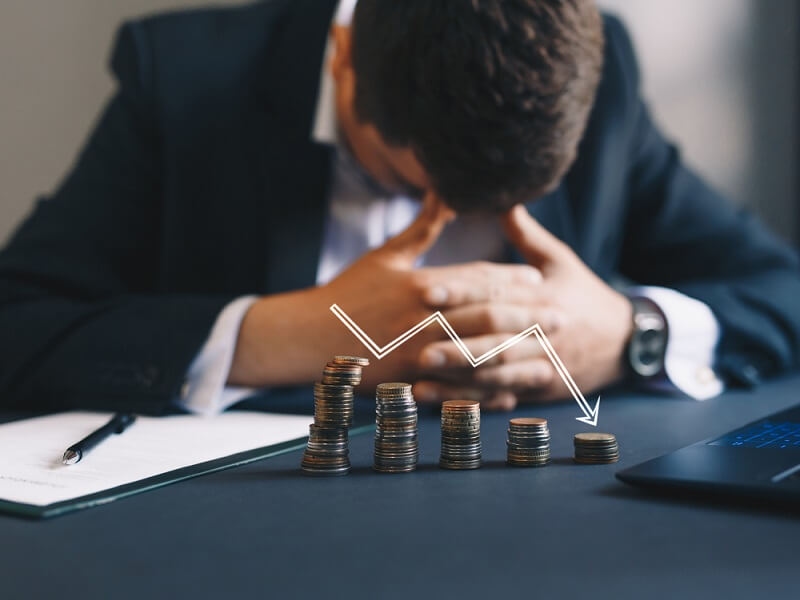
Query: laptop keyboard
x,y
766,434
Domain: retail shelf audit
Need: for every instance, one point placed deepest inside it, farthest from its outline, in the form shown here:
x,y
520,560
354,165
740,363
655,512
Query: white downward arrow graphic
x,y
590,415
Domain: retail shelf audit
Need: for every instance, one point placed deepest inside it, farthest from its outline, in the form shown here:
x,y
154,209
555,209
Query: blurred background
x,y
722,78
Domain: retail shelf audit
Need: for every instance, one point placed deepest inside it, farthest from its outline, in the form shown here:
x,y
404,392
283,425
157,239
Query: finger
x,y
537,245
417,238
501,400
552,393
436,392
447,355
528,374
473,320
481,282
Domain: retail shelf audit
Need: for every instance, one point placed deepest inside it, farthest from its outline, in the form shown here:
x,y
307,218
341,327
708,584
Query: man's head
x,y
482,101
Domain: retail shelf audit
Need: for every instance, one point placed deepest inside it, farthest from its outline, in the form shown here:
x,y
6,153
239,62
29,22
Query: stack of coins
x,y
396,444
328,451
528,442
461,435
344,370
333,405
596,448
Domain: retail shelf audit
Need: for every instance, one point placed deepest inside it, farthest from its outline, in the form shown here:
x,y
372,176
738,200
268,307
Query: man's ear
x,y
342,61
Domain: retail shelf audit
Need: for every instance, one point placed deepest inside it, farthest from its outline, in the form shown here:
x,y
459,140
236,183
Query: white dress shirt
x,y
362,216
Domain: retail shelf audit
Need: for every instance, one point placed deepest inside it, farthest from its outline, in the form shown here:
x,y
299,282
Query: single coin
x,y
460,405
528,421
393,387
351,360
594,437
342,368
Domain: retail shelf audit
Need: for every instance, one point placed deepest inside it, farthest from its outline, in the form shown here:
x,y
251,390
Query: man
x,y
259,164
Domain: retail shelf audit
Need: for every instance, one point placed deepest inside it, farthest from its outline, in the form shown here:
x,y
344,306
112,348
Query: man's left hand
x,y
587,322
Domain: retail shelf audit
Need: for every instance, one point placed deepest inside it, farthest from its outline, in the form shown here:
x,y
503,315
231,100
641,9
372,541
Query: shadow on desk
x,y
702,500
270,473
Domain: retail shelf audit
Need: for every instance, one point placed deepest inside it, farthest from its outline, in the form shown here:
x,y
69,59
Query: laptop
x,y
761,460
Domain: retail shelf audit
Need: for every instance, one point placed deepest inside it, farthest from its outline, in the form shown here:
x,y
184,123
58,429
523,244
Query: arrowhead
x,y
591,418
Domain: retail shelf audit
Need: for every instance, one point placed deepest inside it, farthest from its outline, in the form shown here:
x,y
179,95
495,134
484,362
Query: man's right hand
x,y
286,339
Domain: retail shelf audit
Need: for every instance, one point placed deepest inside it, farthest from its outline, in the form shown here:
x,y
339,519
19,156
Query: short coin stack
x,y
461,435
396,444
528,442
344,370
596,448
328,451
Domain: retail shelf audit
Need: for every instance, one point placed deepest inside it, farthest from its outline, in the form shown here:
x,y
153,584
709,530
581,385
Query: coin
x,y
340,359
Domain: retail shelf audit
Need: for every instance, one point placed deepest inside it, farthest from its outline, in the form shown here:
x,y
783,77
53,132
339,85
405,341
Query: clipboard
x,y
34,485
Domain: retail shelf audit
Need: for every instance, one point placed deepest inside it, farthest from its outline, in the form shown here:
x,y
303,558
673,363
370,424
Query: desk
x,y
563,531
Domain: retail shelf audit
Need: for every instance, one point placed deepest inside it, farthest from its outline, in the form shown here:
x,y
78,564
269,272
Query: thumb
x,y
537,245
417,238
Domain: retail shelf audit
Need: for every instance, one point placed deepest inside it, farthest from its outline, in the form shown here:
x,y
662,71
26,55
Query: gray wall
x,y
721,76
53,57
723,80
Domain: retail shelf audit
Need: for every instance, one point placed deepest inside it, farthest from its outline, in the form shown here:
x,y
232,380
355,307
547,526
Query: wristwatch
x,y
647,345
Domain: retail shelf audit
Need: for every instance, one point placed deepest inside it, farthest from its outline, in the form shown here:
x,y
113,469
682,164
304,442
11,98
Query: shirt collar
x,y
325,128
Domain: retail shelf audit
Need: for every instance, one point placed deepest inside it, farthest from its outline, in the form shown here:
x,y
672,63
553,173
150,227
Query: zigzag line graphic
x,y
590,416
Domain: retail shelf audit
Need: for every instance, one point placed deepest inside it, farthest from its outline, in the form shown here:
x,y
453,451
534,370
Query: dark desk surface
x,y
265,531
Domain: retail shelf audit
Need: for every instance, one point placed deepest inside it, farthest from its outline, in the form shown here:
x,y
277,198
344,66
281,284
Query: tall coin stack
x,y
328,450
461,435
528,442
396,443
596,448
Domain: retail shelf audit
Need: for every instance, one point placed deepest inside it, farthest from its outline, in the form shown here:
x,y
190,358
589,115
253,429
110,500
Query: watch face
x,y
647,347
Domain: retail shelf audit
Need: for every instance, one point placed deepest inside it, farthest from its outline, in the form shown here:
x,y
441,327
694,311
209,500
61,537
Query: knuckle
x,y
504,400
504,357
503,377
540,375
492,317
421,278
420,281
527,274
484,267
486,376
452,355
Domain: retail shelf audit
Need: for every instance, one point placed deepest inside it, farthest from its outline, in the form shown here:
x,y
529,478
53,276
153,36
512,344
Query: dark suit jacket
x,y
200,183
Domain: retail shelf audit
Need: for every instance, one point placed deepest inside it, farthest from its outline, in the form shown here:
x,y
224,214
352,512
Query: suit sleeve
x,y
681,234
85,319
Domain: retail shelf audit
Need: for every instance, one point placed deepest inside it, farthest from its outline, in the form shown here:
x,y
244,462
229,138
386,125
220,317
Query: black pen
x,y
117,424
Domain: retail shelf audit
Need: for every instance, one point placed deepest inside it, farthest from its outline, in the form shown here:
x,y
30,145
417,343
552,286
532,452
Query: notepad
x,y
152,452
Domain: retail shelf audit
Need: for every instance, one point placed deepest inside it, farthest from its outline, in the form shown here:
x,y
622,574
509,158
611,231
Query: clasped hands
x,y
586,321
284,339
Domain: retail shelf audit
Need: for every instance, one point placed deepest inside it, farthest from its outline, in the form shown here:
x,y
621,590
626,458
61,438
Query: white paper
x,y
31,471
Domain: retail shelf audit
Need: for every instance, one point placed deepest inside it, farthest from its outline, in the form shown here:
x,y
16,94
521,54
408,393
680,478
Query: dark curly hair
x,y
492,95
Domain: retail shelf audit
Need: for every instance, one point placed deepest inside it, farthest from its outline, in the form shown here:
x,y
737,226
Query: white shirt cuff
x,y
693,336
204,391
